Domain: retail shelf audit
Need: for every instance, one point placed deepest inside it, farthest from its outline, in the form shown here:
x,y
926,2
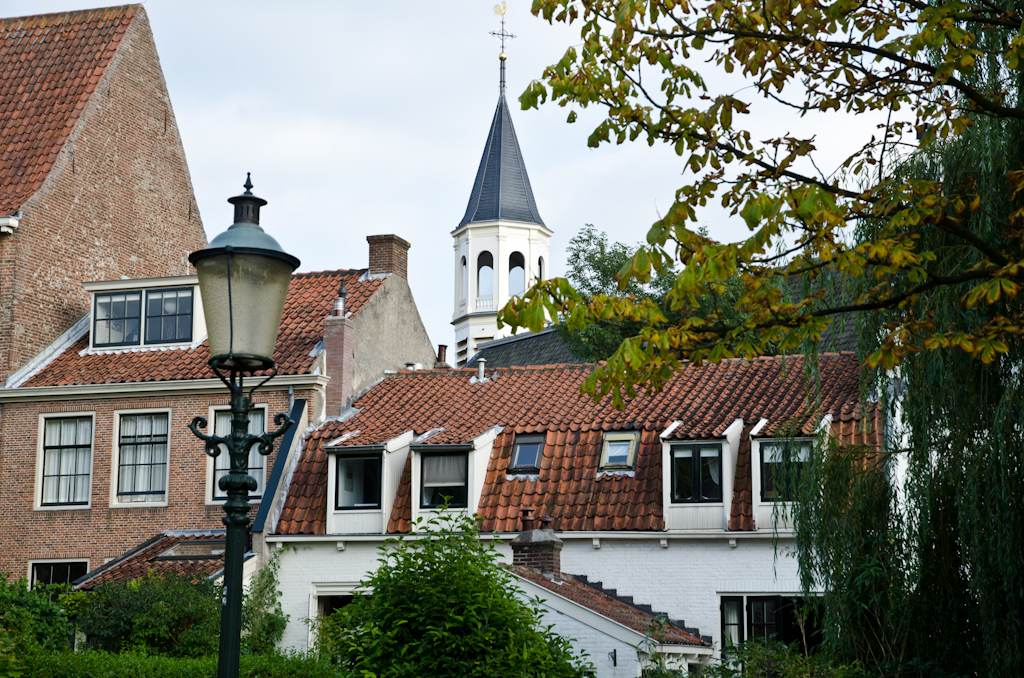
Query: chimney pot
x,y
442,352
480,365
526,515
546,521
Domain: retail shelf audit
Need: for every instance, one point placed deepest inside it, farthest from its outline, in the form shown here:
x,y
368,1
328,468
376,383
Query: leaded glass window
x,y
67,461
142,458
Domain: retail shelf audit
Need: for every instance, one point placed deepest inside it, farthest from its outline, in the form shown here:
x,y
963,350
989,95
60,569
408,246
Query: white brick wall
x,y
598,647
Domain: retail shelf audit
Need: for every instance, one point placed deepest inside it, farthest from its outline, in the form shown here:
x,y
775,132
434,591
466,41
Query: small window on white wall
x,y
485,275
516,274
465,280
222,462
444,476
540,268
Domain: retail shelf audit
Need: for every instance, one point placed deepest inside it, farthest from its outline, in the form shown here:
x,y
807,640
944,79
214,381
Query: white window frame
x,y
115,457
212,419
758,461
40,442
634,450
43,561
145,286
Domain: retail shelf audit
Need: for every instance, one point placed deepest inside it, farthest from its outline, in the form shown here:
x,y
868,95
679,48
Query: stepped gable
x,y
547,400
502,189
190,553
49,67
609,606
310,299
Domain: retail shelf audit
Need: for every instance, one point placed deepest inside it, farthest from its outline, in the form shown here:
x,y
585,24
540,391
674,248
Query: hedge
x,y
94,664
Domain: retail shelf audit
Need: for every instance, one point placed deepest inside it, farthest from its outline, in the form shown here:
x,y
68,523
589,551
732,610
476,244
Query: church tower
x,y
501,244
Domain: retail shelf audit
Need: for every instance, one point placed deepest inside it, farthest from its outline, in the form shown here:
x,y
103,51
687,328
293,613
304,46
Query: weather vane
x,y
502,35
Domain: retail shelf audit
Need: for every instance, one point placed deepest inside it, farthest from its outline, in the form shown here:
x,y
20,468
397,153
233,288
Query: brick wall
x,y
101,532
389,254
118,201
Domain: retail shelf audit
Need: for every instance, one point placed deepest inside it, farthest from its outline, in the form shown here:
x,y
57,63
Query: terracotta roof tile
x,y
49,66
310,299
597,601
568,486
135,565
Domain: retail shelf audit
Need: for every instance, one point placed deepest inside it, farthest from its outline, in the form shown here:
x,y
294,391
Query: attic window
x,y
618,451
781,464
444,477
194,549
169,316
358,482
526,453
117,319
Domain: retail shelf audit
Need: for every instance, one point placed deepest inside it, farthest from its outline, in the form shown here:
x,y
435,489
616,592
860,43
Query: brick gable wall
x,y
101,532
118,201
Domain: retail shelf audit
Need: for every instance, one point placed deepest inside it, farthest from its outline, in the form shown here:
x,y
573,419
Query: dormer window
x,y
781,462
117,319
358,482
145,312
618,451
445,476
696,473
526,454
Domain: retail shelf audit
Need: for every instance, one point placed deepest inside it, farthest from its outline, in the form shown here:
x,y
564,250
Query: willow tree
x,y
923,227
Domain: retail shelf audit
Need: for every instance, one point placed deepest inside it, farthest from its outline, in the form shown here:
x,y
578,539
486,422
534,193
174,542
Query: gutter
x,y
146,388
509,536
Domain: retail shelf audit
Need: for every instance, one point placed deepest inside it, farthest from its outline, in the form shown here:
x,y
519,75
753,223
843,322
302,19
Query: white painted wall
x,y
598,646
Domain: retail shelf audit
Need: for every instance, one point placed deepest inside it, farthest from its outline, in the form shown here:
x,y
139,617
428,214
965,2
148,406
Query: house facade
x,y
669,503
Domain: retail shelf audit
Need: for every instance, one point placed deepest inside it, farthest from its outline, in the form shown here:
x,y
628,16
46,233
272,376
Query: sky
x,y
364,118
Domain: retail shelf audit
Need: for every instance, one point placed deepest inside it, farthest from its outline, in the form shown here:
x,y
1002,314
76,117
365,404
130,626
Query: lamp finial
x,y
248,184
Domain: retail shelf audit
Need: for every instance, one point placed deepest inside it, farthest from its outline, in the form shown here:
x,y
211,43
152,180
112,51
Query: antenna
x,y
502,35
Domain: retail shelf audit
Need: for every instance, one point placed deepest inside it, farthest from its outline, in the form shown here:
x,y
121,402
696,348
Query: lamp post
x,y
243,278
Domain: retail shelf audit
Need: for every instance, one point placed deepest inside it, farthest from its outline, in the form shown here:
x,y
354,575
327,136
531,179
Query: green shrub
x,y
30,620
263,620
442,606
756,659
160,614
98,664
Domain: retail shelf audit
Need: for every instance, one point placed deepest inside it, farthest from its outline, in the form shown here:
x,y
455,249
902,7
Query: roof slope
x,y
597,601
310,299
543,348
546,400
196,554
49,67
501,189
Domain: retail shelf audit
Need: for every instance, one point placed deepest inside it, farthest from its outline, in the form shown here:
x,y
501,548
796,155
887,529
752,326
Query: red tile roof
x,y
603,604
49,66
546,400
147,558
310,299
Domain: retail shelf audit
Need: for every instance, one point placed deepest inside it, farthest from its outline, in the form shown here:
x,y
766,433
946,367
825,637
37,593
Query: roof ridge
x,y
71,12
320,274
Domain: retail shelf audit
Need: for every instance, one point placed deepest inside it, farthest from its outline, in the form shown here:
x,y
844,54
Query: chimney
x,y
538,549
339,343
480,366
388,254
442,352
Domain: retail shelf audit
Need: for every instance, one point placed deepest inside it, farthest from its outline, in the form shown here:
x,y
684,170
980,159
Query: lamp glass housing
x,y
243,322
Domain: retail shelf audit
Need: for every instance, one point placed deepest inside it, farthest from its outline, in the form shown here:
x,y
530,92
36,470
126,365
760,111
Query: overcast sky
x,y
362,118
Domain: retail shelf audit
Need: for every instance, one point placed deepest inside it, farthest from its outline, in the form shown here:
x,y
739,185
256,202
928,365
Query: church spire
x,y
502,188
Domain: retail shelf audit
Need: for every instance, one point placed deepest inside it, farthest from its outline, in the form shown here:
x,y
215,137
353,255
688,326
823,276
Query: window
x,y
58,572
117,320
540,268
485,275
618,451
516,274
444,475
526,453
465,280
67,461
696,473
169,316
142,458
780,464
222,462
792,620
358,482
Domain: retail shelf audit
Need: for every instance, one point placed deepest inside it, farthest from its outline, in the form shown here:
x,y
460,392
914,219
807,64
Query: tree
x,y
442,606
953,65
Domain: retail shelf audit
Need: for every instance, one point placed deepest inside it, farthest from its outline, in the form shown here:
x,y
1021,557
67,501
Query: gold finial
x,y
501,9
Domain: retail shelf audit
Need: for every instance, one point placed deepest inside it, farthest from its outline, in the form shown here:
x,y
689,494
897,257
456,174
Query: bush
x,y
160,614
442,606
756,659
263,620
98,664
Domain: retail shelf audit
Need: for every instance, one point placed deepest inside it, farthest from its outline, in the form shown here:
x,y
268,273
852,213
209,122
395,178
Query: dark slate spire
x,y
502,189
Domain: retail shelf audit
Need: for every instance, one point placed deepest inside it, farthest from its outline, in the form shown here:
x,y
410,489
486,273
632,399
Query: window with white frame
x,y
67,461
781,463
117,319
444,478
358,483
696,473
222,462
58,572
142,448
790,619
618,450
169,316
120,318
526,454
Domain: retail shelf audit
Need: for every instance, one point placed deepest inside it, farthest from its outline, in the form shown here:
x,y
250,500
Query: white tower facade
x,y
501,245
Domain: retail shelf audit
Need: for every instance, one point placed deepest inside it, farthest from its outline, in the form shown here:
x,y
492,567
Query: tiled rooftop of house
x,y
597,601
49,66
310,299
196,554
706,400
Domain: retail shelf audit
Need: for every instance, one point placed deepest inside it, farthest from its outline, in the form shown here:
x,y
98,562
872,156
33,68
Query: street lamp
x,y
243,278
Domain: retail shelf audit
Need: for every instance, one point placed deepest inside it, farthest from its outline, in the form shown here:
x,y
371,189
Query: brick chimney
x,y
538,549
339,342
389,254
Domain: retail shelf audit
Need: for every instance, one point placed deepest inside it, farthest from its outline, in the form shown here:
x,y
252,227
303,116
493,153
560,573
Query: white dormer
x,y
145,313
